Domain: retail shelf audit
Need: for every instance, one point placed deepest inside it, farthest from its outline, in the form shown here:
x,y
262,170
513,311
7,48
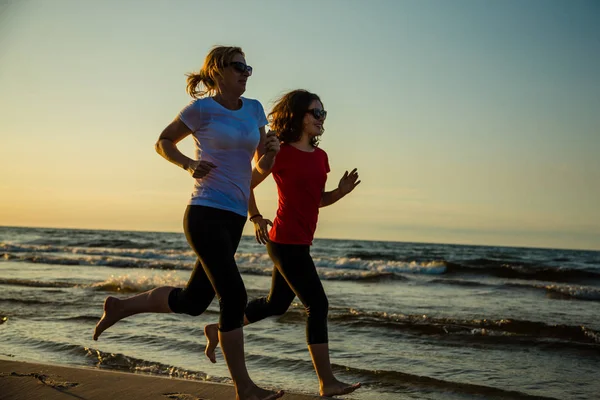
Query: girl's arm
x,y
346,185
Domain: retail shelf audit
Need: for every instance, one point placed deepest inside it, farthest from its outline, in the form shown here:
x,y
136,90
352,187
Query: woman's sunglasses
x,y
240,67
317,113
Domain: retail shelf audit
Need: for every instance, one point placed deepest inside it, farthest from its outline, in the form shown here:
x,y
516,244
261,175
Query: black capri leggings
x,y
214,236
294,274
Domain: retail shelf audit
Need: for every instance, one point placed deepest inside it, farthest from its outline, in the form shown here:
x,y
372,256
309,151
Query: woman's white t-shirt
x,y
228,139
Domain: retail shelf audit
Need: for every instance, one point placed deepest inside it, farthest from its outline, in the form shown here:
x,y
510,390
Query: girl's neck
x,y
229,101
303,144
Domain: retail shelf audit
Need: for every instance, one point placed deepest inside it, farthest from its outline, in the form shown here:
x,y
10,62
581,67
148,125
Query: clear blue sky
x,y
469,121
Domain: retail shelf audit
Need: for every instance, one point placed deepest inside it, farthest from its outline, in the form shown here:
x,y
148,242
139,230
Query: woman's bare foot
x,y
256,393
211,332
337,388
111,315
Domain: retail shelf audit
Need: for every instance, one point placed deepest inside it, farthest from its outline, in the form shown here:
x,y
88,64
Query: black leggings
x,y
294,275
214,236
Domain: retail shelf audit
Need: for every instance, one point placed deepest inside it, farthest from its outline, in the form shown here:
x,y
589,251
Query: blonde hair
x,y
207,76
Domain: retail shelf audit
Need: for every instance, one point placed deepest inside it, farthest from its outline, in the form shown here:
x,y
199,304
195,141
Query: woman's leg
x,y
152,301
297,267
192,300
215,239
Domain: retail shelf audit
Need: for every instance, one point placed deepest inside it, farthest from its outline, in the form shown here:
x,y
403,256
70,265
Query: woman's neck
x,y
229,101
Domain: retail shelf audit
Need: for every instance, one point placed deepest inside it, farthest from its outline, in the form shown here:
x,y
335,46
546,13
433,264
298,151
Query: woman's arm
x,y
166,146
261,230
264,156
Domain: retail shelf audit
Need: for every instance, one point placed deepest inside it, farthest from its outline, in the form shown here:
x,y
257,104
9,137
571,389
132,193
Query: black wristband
x,y
254,216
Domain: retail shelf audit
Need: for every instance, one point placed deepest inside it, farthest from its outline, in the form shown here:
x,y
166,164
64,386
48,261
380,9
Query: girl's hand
x,y
348,182
261,230
199,169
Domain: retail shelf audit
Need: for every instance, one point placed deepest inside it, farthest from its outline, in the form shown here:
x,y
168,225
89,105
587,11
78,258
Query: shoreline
x,y
29,381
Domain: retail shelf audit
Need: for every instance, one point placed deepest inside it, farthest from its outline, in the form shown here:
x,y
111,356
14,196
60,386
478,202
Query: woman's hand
x,y
348,182
272,143
261,230
199,168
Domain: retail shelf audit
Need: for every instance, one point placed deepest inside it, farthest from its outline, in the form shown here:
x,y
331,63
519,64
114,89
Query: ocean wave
x,y
405,380
367,255
562,292
105,261
575,292
139,283
29,302
40,284
396,379
498,269
145,253
122,362
424,324
411,267
459,282
557,291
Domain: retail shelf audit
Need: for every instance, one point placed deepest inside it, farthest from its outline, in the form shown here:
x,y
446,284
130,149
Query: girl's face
x,y
314,119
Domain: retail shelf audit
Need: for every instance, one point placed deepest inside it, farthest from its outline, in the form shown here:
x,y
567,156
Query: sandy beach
x,y
29,381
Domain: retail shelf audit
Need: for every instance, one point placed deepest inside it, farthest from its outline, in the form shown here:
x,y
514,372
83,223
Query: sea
x,y
407,320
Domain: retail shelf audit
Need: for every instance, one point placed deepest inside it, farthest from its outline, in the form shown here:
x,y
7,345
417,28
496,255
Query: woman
x,y
228,130
300,171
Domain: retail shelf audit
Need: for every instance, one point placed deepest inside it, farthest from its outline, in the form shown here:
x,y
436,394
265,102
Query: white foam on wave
x,y
132,283
578,292
383,266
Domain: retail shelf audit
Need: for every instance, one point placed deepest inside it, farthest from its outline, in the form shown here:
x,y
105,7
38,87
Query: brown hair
x,y
207,76
287,115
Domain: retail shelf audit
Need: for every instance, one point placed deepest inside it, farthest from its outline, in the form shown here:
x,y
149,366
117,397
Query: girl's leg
x,y
297,267
276,303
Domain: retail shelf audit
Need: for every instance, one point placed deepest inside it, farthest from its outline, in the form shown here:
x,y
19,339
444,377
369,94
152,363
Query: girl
x,y
300,171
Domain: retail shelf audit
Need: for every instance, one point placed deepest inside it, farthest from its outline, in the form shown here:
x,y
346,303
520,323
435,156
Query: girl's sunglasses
x,y
317,113
240,67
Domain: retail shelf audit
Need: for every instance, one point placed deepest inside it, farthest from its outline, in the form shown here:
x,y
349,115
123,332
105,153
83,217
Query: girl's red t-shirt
x,y
300,178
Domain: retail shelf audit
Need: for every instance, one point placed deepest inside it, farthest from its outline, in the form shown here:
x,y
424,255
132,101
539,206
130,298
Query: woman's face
x,y
235,75
314,119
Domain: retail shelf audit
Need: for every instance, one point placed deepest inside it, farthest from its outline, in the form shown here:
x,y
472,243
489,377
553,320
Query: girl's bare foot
x,y
111,315
337,388
211,332
256,393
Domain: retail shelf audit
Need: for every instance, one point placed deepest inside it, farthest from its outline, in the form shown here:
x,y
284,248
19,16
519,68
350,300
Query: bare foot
x,y
211,332
110,317
256,393
337,388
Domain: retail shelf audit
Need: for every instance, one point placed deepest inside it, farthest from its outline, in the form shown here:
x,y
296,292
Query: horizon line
x,y
317,238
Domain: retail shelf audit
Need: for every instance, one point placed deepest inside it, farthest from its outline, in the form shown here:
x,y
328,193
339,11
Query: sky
x,y
472,122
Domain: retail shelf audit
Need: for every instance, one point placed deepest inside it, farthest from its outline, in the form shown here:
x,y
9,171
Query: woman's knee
x,y
232,308
182,301
318,308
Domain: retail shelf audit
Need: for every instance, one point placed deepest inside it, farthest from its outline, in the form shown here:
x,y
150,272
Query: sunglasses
x,y
240,67
317,113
